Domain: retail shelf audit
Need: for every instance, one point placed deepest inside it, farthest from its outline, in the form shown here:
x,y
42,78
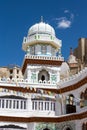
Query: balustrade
x,y
43,105
12,104
44,57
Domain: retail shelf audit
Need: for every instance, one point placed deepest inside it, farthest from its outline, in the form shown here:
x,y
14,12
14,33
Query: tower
x,y
81,51
43,54
38,101
73,63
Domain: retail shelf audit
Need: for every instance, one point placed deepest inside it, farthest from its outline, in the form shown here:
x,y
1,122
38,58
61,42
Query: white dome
x,y
64,73
42,28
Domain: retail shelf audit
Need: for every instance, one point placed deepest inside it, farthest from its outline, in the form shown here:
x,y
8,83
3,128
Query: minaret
x,y
41,65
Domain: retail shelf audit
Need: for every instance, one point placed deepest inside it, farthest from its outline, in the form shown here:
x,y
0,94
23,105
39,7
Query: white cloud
x,y
64,23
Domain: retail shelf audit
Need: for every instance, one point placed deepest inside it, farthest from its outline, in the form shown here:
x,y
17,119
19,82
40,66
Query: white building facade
x,y
40,100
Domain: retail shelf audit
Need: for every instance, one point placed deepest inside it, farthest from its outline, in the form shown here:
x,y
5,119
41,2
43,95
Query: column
x,y
58,106
29,104
29,75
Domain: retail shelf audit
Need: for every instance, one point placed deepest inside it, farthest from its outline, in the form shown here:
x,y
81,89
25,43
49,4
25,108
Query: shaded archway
x,y
70,104
43,75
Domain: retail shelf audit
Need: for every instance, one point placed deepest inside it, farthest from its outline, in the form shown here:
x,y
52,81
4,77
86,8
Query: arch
x,y
67,127
70,104
70,99
43,75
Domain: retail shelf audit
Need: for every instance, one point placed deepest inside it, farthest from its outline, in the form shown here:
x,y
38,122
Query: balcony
x,y
24,108
41,38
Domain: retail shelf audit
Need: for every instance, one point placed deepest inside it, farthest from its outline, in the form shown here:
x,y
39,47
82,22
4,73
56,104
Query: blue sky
x,y
68,17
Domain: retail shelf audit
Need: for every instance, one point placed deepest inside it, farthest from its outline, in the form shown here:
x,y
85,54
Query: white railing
x,y
24,83
43,105
19,104
44,57
12,104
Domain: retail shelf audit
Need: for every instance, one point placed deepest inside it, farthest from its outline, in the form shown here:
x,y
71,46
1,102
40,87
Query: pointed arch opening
x,y
70,104
43,76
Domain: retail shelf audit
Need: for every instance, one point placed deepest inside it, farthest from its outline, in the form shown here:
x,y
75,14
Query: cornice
x,y
40,62
70,117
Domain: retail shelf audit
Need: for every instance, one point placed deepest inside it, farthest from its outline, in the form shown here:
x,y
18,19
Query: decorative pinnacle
x,y
71,51
41,18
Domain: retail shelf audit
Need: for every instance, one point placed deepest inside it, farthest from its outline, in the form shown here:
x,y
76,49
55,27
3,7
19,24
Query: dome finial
x,y
71,51
41,18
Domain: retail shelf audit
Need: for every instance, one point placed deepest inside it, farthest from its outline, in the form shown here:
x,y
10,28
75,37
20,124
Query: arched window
x,y
70,104
43,75
70,99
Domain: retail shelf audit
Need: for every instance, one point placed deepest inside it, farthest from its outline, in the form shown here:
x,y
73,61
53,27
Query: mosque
x,y
46,97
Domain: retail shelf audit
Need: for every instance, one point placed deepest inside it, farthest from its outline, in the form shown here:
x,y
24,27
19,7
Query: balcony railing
x,y
43,105
16,104
44,57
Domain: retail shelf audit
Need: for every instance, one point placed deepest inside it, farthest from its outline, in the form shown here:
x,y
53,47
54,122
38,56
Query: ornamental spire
x,y
41,18
71,51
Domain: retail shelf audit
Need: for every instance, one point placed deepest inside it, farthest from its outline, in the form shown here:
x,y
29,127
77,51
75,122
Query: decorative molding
x,y
58,91
40,62
70,117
